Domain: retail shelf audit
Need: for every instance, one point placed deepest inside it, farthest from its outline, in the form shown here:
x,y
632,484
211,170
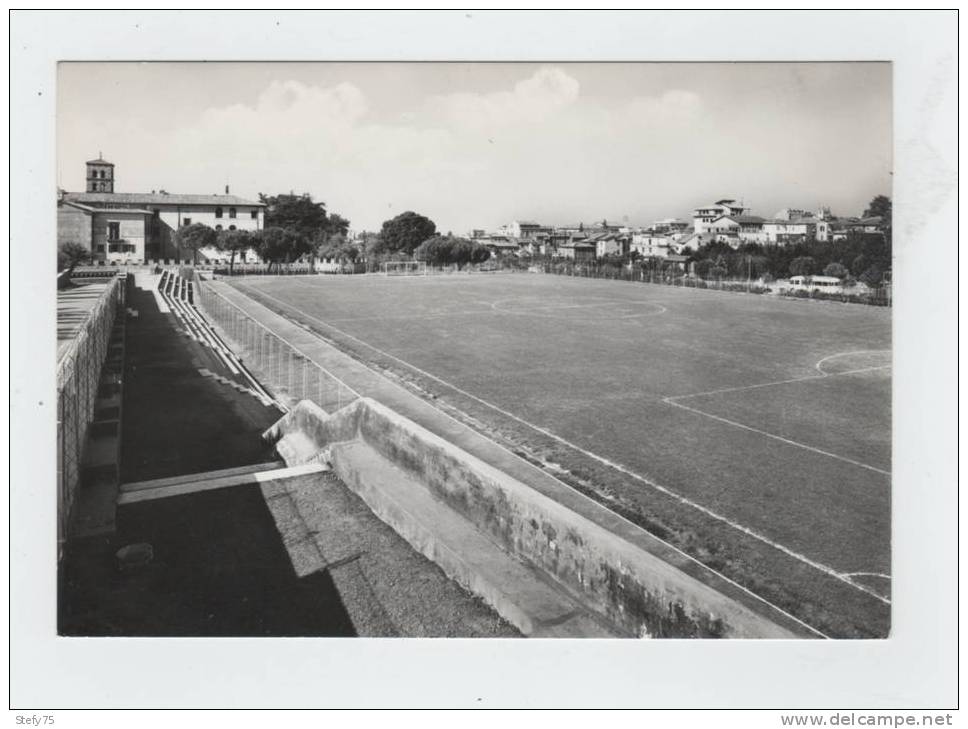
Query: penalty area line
x,y
825,569
780,438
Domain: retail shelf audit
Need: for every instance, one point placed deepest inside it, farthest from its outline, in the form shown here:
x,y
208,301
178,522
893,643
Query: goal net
x,y
405,268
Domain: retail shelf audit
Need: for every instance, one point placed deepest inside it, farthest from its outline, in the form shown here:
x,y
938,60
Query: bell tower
x,y
100,175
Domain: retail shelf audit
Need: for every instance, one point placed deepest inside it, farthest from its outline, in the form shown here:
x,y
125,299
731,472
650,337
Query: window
x,y
186,221
218,212
231,212
255,214
114,231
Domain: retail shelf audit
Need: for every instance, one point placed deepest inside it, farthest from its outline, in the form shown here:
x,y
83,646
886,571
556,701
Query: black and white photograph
x,y
539,349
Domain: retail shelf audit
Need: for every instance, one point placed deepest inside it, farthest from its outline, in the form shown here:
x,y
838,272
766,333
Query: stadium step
x,y
519,593
136,492
190,477
268,402
177,293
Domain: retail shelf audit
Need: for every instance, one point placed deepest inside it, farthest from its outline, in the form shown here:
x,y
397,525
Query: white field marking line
x,y
845,354
616,466
867,574
674,400
805,378
544,472
780,438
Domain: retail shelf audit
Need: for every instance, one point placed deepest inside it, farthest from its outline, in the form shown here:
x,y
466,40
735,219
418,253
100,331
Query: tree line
x,y
295,226
861,256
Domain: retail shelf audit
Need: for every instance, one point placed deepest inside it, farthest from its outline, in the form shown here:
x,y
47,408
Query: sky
x,y
476,145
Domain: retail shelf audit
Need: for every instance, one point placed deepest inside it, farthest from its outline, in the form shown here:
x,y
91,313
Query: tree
x,y
234,242
339,249
802,266
195,236
405,232
282,245
69,255
703,268
479,253
872,276
444,250
295,212
880,207
835,269
336,224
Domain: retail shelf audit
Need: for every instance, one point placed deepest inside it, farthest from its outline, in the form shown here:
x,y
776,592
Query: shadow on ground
x,y
220,567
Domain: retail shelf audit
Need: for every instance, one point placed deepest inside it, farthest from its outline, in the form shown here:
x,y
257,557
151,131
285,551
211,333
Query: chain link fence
x,y
78,384
872,296
286,371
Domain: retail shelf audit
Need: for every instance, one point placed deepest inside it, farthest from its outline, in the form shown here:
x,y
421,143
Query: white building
x,y
739,229
669,225
651,245
779,232
136,226
522,229
705,216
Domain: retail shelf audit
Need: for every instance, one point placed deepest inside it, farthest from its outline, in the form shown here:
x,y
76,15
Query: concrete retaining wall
x,y
637,589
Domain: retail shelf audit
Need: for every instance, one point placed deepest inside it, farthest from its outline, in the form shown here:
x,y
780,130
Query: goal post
x,y
405,268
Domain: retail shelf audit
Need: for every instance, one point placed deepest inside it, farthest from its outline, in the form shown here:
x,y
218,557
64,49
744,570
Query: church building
x,y
133,227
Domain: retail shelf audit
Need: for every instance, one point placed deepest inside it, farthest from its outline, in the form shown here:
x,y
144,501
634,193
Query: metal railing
x,y
285,370
78,383
872,296
259,269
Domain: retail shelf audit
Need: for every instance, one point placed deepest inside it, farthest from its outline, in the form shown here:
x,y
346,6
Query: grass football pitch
x,y
750,431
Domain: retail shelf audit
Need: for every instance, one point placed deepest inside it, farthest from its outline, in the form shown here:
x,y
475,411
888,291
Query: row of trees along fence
x,y
296,228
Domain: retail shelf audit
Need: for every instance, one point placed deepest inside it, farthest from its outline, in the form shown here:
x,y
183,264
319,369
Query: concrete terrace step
x,y
207,475
268,402
515,590
208,483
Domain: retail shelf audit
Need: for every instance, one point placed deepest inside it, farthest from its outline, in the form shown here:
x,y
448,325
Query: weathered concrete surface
x,y
518,592
386,588
637,590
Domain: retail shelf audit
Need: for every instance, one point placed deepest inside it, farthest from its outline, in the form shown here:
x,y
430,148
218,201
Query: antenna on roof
x,y
99,155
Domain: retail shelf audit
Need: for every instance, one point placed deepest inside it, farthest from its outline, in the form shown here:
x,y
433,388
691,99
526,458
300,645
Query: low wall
x,y
634,588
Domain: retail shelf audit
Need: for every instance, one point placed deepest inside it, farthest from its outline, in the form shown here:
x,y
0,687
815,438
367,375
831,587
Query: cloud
x,y
544,146
673,106
466,159
547,92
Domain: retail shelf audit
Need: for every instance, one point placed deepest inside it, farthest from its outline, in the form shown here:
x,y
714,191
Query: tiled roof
x,y
99,162
148,198
797,221
89,209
